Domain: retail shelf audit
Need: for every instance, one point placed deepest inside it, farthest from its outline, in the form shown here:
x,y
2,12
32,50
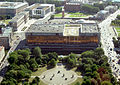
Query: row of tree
x,y
24,62
94,67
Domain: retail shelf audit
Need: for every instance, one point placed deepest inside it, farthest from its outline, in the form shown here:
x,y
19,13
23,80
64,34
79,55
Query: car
x,y
110,49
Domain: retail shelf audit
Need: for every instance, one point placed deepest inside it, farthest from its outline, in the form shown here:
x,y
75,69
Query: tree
x,y
58,9
86,54
52,63
99,52
13,58
106,83
37,52
36,80
100,6
78,83
33,64
25,54
118,17
52,16
89,9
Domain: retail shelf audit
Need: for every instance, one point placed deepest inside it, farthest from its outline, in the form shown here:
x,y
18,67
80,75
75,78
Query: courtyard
x,y
57,76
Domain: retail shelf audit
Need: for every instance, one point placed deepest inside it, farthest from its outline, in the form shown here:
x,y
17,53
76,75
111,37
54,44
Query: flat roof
x,y
6,32
63,26
12,5
43,28
42,7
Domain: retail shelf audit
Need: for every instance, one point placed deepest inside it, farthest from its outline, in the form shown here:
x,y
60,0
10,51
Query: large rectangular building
x,y
18,22
12,8
63,37
40,10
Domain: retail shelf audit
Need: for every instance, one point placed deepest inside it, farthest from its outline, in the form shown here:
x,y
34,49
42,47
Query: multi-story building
x,y
19,20
103,14
6,37
63,37
12,8
111,8
2,53
74,5
41,10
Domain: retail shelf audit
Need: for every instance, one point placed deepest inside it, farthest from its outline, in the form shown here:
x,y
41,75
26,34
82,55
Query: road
x,y
107,34
5,63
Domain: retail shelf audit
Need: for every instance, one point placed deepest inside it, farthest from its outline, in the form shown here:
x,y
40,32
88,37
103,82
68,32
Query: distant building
x,y
111,9
6,37
2,53
112,0
12,8
19,20
41,10
102,14
63,36
74,5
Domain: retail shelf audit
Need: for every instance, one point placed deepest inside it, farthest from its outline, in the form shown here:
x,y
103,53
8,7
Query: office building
x,y
12,8
18,22
63,36
41,10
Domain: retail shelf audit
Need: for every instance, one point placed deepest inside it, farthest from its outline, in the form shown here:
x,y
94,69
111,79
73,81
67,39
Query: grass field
x,y
77,14
38,73
6,21
118,30
78,80
58,15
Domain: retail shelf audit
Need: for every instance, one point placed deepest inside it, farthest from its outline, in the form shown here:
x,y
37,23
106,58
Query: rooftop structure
x,y
12,8
72,29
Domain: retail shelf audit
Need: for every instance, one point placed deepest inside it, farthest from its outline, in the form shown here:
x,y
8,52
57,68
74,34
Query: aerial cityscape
x,y
59,42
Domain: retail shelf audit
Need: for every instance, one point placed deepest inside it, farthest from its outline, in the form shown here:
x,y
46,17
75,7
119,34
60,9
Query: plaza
x,y
58,76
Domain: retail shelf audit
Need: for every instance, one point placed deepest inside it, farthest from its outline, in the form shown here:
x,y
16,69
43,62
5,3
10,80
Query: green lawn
x,y
78,80
39,71
58,15
6,21
40,83
77,72
118,29
77,14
